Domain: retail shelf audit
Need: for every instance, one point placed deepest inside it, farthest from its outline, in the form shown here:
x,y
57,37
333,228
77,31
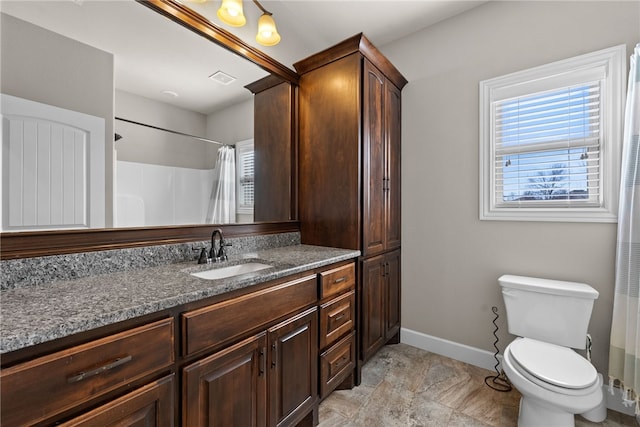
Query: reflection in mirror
x,y
166,177
69,54
193,176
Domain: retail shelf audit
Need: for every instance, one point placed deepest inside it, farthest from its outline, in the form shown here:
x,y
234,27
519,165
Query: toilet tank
x,y
552,311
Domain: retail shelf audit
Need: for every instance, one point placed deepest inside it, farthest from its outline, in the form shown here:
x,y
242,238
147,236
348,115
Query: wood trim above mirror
x,y
200,25
16,245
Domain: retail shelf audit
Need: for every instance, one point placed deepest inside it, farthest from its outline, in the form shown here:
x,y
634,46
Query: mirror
x,y
42,83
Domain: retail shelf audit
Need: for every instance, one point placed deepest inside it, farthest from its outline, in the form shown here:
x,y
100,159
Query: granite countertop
x,y
42,313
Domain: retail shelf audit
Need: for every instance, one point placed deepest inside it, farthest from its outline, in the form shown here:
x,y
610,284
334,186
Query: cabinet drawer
x,y
337,280
336,364
36,390
337,317
230,320
151,405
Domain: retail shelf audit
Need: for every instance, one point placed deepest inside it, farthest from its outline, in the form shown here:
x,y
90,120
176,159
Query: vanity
x,y
161,345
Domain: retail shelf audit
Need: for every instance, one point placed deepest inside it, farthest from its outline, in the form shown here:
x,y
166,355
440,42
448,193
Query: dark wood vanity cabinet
x,y
349,169
337,327
151,405
293,369
278,367
381,162
349,173
261,357
380,301
228,388
51,386
268,379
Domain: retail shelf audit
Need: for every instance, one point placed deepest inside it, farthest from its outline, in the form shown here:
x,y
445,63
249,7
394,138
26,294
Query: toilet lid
x,y
553,364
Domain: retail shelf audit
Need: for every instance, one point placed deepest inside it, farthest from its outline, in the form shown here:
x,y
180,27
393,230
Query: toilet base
x,y
534,413
599,413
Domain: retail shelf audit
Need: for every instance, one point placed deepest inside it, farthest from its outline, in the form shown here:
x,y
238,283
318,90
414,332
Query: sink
x,y
232,270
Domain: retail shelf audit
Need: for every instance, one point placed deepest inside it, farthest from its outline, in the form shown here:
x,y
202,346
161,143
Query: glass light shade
x,y
267,32
230,12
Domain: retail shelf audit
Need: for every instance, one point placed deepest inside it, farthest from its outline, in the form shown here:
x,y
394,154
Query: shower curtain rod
x,y
170,131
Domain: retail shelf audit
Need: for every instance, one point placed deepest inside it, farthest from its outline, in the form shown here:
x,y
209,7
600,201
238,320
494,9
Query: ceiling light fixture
x,y
267,32
231,13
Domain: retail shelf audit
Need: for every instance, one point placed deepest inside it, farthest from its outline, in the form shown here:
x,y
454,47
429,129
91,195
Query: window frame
x,y
242,147
611,63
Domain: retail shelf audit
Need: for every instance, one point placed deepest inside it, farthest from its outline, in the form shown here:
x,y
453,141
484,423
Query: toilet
x,y
550,318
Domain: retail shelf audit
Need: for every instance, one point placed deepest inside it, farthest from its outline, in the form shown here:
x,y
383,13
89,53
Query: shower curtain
x,y
222,203
624,350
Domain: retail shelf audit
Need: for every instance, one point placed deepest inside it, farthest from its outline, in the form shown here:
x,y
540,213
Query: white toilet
x,y
550,317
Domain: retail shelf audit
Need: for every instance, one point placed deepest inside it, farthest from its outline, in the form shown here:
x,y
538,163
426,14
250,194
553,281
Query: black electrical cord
x,y
498,382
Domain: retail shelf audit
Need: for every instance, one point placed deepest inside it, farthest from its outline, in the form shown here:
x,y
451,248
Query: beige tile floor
x,y
403,386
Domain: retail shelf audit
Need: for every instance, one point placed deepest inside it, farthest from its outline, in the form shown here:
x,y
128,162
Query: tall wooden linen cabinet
x,y
349,175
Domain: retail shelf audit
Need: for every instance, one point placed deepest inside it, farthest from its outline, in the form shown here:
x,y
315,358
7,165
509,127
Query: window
x,y
549,140
244,171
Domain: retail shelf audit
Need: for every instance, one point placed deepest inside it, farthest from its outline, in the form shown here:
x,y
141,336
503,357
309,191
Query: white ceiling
x,y
308,26
153,54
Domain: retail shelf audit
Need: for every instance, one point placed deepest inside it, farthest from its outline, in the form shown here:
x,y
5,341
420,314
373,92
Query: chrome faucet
x,y
220,254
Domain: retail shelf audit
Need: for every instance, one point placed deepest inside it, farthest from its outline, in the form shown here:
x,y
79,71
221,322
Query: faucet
x,y
220,254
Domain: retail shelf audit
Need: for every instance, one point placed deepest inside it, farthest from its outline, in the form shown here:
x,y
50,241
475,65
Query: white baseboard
x,y
464,353
484,359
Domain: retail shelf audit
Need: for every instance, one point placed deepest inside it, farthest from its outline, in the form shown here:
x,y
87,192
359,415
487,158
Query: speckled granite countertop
x,y
38,314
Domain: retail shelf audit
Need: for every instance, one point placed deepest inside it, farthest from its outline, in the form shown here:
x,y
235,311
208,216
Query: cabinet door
x,y
151,405
373,306
392,266
293,377
227,388
392,154
374,172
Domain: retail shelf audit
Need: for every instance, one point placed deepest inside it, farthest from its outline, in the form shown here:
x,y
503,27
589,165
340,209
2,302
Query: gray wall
x,y
46,67
451,259
146,145
233,124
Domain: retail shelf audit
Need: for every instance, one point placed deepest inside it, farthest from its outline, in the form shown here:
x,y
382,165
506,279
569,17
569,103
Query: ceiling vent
x,y
222,78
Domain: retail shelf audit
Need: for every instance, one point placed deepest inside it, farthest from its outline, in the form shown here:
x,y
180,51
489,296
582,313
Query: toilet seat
x,y
553,367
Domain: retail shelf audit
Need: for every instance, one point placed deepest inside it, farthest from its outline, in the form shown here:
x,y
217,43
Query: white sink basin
x,y
232,270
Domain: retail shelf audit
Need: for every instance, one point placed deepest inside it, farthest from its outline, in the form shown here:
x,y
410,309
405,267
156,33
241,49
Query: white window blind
x,y
549,140
547,147
245,172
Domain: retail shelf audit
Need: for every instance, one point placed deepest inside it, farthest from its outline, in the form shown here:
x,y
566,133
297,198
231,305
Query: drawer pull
x,y
343,360
93,372
340,363
338,317
340,279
